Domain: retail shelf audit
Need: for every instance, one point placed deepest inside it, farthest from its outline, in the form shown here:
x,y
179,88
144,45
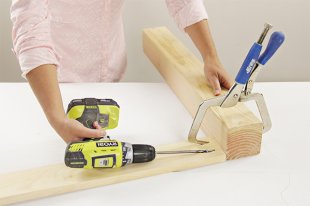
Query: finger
x,y
227,84
96,125
226,81
90,133
214,81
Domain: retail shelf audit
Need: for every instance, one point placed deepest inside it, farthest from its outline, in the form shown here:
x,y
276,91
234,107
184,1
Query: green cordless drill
x,y
106,153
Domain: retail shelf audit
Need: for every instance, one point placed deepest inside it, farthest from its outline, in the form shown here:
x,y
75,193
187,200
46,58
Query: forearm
x,y
202,38
43,81
215,73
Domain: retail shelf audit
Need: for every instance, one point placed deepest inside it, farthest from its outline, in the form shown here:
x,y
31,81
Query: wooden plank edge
x,y
58,179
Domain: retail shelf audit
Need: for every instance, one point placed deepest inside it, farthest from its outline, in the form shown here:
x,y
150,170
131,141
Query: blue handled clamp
x,y
241,90
276,40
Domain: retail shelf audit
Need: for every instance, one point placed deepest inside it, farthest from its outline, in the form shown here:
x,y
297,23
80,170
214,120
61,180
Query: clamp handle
x,y
248,64
275,41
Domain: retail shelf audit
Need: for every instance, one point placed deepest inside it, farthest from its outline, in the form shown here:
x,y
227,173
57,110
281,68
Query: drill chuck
x,y
143,153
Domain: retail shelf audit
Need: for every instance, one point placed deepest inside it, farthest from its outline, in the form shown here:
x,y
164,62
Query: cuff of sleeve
x,y
192,13
35,57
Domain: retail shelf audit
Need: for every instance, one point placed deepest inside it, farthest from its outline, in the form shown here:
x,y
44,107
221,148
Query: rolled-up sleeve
x,y
31,36
186,12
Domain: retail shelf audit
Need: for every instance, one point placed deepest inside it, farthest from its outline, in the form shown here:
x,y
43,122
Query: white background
x,y
235,25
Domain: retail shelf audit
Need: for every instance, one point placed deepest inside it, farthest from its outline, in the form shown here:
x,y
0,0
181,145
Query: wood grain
x,y
236,129
58,179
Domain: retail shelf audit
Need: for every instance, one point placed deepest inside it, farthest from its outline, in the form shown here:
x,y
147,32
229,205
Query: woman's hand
x,y
214,71
71,130
216,75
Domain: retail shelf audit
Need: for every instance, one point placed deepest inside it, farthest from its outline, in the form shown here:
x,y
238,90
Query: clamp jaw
x,y
241,91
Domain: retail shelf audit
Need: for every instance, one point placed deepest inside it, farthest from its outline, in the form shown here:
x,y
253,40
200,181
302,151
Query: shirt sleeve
x,y
32,42
186,12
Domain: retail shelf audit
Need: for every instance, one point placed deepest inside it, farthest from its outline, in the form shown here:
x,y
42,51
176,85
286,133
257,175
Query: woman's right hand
x,y
71,130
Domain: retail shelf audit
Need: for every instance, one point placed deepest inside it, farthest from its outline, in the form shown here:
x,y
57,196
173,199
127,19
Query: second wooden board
x,y
58,179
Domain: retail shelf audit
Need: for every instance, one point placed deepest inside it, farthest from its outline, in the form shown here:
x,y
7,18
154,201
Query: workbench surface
x,y
152,114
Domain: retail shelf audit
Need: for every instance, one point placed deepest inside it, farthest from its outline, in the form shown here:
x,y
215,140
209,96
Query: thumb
x,y
214,81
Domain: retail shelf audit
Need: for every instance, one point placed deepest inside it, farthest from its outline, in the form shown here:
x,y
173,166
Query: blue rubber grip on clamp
x,y
248,64
275,41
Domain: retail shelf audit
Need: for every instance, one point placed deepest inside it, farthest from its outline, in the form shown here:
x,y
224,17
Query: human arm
x,y
43,81
215,73
38,61
191,17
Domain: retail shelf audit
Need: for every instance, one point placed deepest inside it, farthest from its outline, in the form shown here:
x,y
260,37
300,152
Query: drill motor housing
x,y
106,153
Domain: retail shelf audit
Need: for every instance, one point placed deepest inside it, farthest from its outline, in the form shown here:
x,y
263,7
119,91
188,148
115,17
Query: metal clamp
x,y
244,81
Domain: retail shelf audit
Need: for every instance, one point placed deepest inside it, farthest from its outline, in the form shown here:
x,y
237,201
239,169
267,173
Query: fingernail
x,y
217,92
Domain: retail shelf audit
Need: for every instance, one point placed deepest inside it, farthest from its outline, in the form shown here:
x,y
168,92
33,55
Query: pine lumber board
x,y
236,129
58,179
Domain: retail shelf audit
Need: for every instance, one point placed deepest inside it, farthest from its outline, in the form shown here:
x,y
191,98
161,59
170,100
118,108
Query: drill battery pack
x,y
89,110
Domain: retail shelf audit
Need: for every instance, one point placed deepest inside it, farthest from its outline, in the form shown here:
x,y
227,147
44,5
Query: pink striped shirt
x,y
83,38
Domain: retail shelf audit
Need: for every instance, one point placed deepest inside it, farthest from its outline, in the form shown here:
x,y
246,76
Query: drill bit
x,y
185,151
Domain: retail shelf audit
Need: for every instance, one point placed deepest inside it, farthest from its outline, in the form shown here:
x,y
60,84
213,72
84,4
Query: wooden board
x,y
58,179
236,129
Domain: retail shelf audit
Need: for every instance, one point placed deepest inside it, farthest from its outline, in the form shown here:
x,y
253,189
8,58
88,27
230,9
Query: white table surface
x,y
151,113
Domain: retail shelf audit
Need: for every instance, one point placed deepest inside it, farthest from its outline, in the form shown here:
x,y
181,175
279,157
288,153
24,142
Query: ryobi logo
x,y
91,107
250,67
106,144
